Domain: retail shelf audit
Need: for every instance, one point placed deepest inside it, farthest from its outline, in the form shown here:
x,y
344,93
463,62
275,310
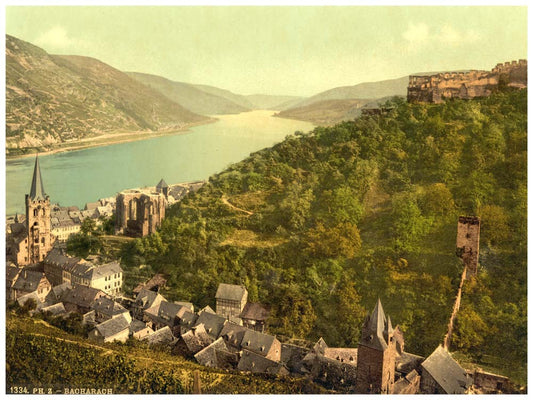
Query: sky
x,y
299,50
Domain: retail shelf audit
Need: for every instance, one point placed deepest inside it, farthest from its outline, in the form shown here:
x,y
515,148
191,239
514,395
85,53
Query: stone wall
x,y
466,85
467,247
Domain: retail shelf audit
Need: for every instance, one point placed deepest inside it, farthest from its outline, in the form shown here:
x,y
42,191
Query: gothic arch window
x,y
44,212
35,212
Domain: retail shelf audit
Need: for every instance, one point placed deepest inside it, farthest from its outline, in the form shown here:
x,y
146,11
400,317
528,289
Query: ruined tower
x,y
467,248
39,235
376,354
162,187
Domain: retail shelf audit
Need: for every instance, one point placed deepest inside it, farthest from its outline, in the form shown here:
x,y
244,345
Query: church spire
x,y
37,188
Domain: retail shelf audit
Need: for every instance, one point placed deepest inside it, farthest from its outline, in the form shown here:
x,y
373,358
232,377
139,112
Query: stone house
x,y
192,341
161,337
164,314
115,329
55,309
187,321
233,335
230,300
208,355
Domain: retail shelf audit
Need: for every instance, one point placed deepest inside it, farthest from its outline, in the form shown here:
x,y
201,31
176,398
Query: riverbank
x,y
109,139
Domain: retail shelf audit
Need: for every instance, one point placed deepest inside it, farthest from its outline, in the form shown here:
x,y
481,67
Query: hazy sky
x,y
278,50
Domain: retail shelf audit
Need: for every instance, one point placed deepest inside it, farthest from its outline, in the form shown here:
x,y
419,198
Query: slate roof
x,y
207,309
165,312
188,319
450,376
28,280
196,339
376,328
320,346
233,334
258,364
146,298
55,309
254,311
292,356
12,272
37,188
57,291
162,184
213,323
56,257
108,307
136,326
99,271
161,336
81,295
406,362
208,355
112,326
231,292
257,342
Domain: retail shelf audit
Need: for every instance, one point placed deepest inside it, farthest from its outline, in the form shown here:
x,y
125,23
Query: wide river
x,y
77,177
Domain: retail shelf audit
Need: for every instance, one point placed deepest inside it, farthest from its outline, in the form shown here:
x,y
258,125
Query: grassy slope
x,y
23,329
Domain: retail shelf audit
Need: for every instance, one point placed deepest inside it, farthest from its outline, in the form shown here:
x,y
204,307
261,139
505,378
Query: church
x,y
31,239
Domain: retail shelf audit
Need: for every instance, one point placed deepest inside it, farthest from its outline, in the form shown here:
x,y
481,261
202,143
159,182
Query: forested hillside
x,y
322,224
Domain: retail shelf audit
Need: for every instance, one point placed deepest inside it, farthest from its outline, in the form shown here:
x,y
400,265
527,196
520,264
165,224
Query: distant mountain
x,y
268,102
52,99
367,90
190,96
326,112
236,98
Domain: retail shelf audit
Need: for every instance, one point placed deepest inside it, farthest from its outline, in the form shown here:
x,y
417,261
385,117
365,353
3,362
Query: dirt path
x,y
226,202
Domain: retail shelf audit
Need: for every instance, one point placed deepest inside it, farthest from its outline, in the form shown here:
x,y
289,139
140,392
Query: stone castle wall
x,y
466,85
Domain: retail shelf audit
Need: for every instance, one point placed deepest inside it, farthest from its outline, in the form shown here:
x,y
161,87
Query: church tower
x,y
40,239
376,354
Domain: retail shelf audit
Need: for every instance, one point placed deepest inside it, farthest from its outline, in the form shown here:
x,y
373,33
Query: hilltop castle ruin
x,y
466,85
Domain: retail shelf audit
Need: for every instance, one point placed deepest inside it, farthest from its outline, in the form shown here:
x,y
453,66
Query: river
x,y
81,176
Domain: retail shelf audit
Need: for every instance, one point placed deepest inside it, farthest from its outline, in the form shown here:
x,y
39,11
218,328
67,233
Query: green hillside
x,y
322,224
54,99
189,96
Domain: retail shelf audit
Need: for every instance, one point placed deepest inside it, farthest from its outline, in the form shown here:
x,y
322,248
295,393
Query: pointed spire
x,y
37,188
17,218
162,184
375,327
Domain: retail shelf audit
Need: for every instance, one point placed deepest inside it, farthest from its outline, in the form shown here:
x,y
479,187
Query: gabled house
x,y
139,330
80,298
230,300
161,336
164,314
115,329
208,355
254,316
259,343
233,335
187,321
105,308
145,300
213,323
55,309
441,374
256,363
192,341
30,281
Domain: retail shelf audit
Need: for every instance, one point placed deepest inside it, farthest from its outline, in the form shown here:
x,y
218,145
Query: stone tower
x,y
39,235
376,354
467,248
